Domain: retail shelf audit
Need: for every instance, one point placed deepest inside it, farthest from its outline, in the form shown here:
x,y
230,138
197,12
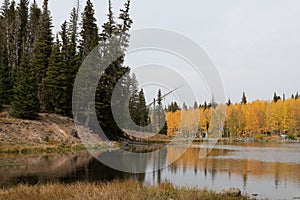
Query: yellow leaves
x,y
258,117
235,120
174,121
255,115
205,115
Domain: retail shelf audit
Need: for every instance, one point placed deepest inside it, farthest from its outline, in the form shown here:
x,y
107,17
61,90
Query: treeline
x,y
279,116
38,68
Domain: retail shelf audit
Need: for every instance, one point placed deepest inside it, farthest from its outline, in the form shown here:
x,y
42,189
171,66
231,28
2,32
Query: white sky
x,y
255,44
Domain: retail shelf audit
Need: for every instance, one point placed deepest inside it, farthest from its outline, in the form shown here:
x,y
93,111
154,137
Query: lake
x,y
270,170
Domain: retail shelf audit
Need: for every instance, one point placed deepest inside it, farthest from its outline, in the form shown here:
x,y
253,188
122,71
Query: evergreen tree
x,y
68,57
244,99
9,23
293,97
115,38
176,107
55,83
25,103
196,105
205,106
134,99
297,96
142,110
164,130
229,102
89,32
7,50
73,60
173,107
42,49
34,19
5,70
159,111
5,82
23,15
276,98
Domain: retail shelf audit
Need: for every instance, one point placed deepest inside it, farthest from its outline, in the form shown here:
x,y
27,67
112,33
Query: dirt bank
x,y
47,129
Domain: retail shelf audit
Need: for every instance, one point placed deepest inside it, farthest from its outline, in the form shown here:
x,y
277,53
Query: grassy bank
x,y
130,189
162,139
11,148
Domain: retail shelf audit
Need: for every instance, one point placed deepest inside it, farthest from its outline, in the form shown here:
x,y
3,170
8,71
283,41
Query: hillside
x,y
47,129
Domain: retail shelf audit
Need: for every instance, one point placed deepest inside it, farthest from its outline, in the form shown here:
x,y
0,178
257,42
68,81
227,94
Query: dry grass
x,y
125,190
11,148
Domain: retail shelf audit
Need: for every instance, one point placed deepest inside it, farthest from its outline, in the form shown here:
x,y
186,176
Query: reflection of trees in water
x,y
212,164
69,168
146,158
66,168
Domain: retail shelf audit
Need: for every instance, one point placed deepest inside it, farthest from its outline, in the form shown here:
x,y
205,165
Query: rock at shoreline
x,y
234,192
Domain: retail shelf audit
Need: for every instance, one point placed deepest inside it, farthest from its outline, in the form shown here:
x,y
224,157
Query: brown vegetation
x,y
128,189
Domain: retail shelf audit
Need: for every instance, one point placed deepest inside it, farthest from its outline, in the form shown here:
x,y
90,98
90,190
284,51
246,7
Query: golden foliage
x,y
256,118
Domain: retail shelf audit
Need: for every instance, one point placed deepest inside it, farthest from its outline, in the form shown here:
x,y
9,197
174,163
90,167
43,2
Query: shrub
x,y
291,136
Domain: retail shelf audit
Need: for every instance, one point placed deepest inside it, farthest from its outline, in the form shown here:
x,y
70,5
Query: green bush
x,y
259,137
291,136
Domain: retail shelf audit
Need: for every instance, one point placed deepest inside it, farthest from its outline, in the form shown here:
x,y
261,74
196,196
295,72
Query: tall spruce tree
x,y
67,58
9,22
89,32
71,55
25,103
5,70
244,99
55,83
42,49
23,15
115,37
8,50
5,82
142,110
161,117
34,19
205,106
276,98
228,102
173,107
134,98
196,105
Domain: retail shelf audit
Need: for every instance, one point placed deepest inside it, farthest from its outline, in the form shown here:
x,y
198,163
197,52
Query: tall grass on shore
x,y
125,190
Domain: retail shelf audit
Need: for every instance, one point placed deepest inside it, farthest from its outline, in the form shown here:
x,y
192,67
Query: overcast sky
x,y
255,44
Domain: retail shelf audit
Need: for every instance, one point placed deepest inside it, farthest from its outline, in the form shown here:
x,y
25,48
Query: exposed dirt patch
x,y
48,128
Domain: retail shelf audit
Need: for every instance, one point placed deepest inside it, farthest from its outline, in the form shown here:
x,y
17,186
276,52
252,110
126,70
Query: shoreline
x,y
52,133
117,189
34,148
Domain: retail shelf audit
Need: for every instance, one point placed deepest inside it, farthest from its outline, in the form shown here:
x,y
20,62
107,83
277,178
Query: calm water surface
x,y
268,169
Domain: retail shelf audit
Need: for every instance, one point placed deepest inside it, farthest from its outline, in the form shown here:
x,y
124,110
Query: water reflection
x,y
267,173
66,168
